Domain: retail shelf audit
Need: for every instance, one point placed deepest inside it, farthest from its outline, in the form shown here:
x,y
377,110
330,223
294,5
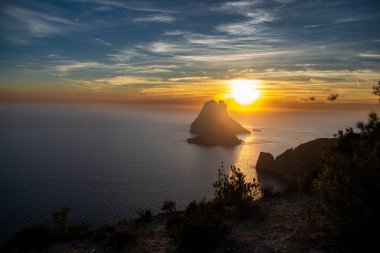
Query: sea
x,y
106,162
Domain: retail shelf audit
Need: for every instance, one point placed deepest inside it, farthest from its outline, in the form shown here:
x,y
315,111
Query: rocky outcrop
x,y
300,165
214,119
214,126
212,140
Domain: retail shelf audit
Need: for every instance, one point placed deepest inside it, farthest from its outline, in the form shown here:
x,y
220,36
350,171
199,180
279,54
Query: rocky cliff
x,y
299,165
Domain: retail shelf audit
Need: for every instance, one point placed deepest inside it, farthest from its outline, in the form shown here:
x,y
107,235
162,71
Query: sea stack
x,y
214,126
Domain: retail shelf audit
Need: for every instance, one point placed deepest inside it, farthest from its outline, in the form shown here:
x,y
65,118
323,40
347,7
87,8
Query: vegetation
x,y
43,235
349,184
202,228
267,191
145,215
233,189
168,206
114,237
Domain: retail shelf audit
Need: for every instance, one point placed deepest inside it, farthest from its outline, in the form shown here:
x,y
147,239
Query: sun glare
x,y
244,91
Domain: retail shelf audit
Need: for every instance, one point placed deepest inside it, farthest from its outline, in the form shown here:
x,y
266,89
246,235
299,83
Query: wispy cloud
x,y
188,78
335,22
163,18
367,55
174,33
238,6
75,65
253,13
103,42
249,26
38,24
163,47
225,57
134,6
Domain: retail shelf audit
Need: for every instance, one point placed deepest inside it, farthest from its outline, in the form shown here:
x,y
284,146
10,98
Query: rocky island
x,y
214,126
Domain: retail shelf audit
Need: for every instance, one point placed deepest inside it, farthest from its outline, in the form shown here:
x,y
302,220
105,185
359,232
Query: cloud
x,y
38,24
75,65
253,13
365,55
219,57
239,6
336,22
137,6
333,97
188,78
163,18
124,55
174,33
249,26
103,42
163,47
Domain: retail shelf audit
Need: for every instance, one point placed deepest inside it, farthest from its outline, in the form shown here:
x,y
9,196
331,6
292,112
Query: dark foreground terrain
x,y
283,229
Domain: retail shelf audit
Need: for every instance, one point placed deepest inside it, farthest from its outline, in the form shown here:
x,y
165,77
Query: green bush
x,y
349,185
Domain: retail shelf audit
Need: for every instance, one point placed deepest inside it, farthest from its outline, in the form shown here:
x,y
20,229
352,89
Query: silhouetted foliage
x,y
174,221
38,237
202,227
267,191
168,206
113,236
145,215
349,185
233,189
43,235
376,89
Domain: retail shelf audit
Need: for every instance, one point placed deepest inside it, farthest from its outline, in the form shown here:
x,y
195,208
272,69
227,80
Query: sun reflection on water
x,y
247,157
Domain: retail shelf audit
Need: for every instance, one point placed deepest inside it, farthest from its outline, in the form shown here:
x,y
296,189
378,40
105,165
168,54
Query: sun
x,y
244,91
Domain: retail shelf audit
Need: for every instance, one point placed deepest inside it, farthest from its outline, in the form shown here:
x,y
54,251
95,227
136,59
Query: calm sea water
x,y
107,162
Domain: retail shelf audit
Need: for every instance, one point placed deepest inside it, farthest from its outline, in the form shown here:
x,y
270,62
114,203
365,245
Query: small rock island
x,y
214,126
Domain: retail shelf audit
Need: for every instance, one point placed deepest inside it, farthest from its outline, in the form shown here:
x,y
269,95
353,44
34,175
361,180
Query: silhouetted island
x,y
298,166
215,126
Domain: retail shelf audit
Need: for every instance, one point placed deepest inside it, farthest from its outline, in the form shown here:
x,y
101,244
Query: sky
x,y
299,53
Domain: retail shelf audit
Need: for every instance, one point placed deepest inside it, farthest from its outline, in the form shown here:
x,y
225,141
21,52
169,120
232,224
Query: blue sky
x,y
173,50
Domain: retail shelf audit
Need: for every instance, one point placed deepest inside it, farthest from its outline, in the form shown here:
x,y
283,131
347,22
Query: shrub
x,y
168,206
173,222
201,231
120,238
103,233
113,236
43,235
38,237
145,215
267,191
233,189
349,184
